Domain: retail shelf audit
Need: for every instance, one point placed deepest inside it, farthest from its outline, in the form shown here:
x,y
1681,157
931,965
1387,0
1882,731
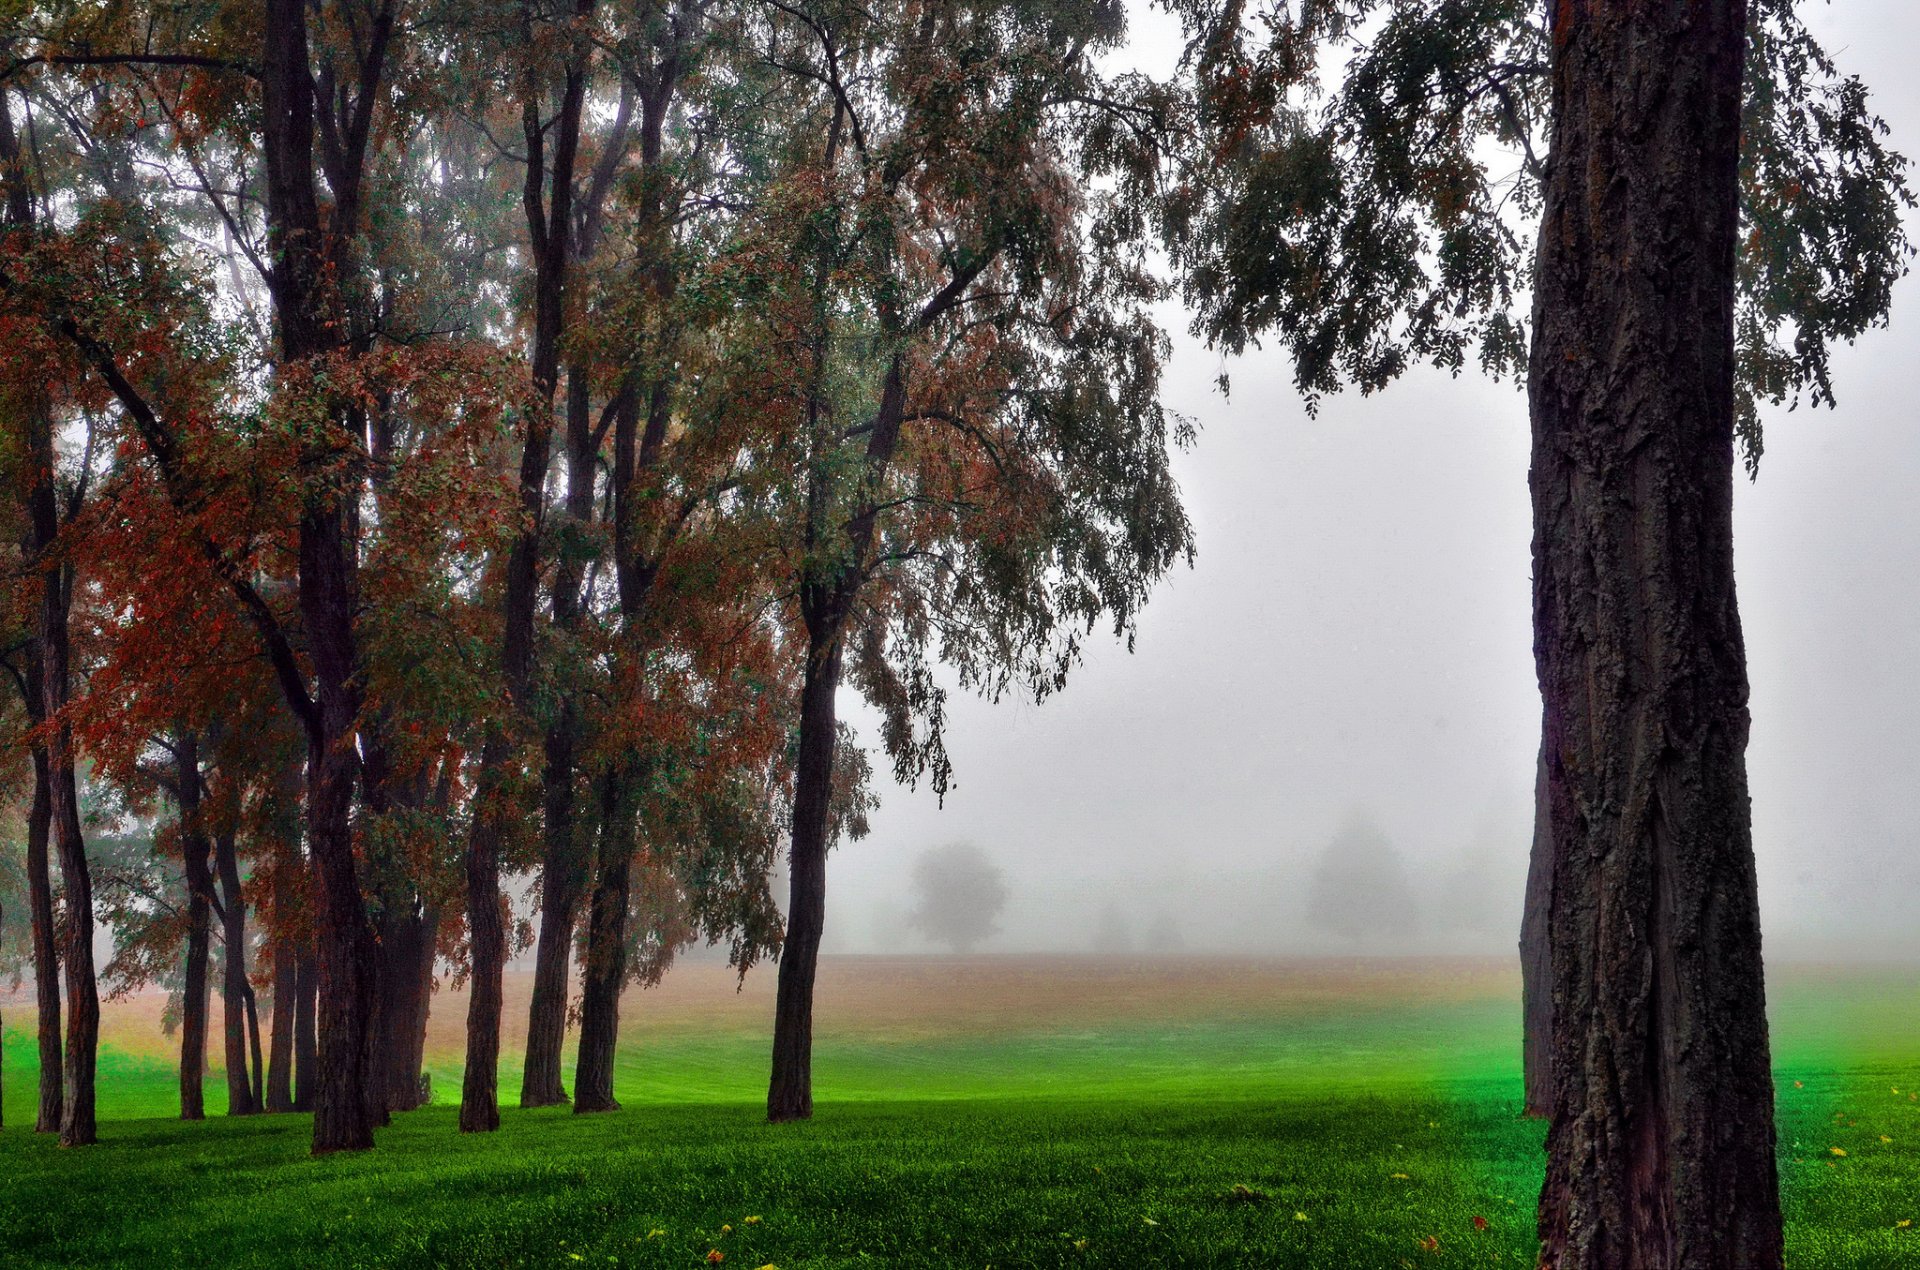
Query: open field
x,y
990,1111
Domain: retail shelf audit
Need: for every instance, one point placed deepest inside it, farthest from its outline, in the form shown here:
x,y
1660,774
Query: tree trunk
x,y
285,990
196,865
563,866
1661,1148
46,956
604,972
790,1093
406,971
560,886
234,989
306,1056
1536,964
487,939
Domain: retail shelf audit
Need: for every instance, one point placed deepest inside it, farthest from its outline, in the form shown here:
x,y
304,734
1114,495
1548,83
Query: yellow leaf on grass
x,y
1299,1216
1839,1151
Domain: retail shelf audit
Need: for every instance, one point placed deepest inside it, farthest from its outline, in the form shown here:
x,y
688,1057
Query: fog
x,y
1354,642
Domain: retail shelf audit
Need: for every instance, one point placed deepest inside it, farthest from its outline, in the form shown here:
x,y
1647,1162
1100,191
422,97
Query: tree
x,y
1661,1145
1760,209
1360,890
972,421
958,896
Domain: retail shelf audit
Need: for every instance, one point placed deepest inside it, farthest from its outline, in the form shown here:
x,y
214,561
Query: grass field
x,y
989,1112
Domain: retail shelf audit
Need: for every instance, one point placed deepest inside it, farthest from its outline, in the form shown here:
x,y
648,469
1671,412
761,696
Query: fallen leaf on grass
x,y
715,1257
1244,1194
1403,1177
1839,1151
1299,1216
1430,1244
1479,1223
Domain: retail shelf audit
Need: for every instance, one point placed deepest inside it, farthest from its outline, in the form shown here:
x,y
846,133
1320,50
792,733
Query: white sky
x,y
1356,634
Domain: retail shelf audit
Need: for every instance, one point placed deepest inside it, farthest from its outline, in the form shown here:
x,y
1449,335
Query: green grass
x,y
1356,1132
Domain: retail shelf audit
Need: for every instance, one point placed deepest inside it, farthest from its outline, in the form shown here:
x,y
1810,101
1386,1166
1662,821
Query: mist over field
x,y
1355,639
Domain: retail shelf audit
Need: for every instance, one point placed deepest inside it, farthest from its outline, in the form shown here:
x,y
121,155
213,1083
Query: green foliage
x,y
1363,182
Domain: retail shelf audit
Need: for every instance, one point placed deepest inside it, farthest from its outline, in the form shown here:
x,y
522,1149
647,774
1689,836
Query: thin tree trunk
x,y
563,867
234,989
1536,962
280,1025
790,1092
196,865
407,983
306,1055
46,956
604,973
1660,1152
253,1048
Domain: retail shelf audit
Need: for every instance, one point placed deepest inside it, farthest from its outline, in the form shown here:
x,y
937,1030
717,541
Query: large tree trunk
x,y
604,972
46,956
1536,959
234,989
1661,1149
195,855
790,1093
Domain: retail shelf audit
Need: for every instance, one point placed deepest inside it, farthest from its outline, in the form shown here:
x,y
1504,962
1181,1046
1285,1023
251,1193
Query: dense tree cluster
x,y
452,445
456,448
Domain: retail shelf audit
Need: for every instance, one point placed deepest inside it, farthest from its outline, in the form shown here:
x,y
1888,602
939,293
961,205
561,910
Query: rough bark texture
x,y
604,971
1536,961
1661,1147
46,957
196,862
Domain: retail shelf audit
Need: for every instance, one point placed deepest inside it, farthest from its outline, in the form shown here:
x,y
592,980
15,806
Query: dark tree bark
x,y
196,855
604,972
1536,961
46,957
790,1092
280,1027
548,200
76,925
407,944
235,991
563,867
1660,1152
306,284
306,1047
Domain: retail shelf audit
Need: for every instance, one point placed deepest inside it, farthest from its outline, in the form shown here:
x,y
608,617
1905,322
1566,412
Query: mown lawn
x,y
1321,1132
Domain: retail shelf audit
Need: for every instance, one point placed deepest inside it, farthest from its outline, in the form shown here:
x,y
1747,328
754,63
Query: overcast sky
x,y
1355,636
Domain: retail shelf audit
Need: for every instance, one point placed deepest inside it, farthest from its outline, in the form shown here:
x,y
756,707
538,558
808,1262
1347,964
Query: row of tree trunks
x,y
547,197
1660,1150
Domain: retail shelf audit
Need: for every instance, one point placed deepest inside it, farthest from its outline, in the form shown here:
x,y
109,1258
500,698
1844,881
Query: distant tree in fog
x,y
958,895
1164,935
1114,934
1360,890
